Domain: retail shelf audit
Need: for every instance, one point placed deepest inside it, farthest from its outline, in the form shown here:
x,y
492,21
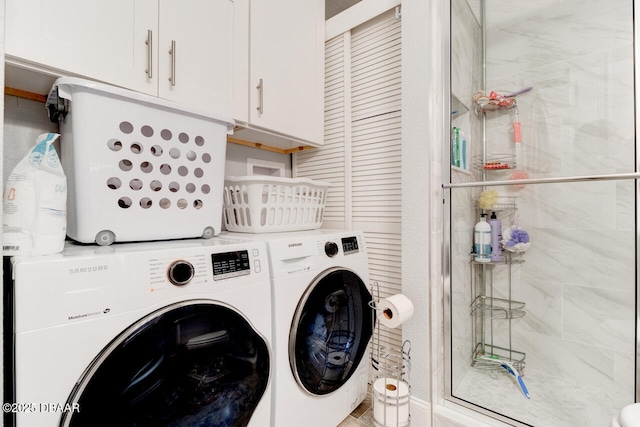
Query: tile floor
x,y
362,416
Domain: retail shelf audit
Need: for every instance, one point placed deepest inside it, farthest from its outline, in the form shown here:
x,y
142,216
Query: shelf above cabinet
x,y
262,137
26,82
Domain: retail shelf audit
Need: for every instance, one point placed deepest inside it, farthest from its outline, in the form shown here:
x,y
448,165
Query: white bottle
x,y
482,240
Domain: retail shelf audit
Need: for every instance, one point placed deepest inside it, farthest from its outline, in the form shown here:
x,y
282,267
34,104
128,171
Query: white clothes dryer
x,y
322,325
147,334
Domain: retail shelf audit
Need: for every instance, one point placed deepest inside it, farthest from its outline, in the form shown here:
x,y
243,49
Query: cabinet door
x,y
199,70
102,40
287,56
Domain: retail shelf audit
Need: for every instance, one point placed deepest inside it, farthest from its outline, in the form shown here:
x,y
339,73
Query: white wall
x,y
237,155
423,107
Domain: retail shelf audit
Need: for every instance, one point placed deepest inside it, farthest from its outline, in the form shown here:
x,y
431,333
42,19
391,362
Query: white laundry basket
x,y
260,204
138,167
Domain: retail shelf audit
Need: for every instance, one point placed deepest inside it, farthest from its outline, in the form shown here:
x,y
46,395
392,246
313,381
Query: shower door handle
x,y
558,180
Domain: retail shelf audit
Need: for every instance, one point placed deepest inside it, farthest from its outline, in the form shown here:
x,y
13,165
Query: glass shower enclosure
x,y
542,331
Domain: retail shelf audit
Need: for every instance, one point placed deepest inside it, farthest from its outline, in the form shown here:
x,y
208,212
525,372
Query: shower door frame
x,y
448,187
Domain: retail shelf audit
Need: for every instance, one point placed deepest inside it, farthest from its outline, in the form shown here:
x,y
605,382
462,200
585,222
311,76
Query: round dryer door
x,y
189,364
330,331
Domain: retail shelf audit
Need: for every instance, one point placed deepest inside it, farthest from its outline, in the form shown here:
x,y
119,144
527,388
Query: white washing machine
x,y
322,324
147,334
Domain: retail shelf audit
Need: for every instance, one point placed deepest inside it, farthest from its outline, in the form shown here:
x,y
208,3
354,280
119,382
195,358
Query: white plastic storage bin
x,y
138,167
260,204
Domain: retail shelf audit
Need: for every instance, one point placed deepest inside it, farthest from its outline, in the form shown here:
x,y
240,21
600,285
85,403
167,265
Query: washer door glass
x,y
200,364
330,331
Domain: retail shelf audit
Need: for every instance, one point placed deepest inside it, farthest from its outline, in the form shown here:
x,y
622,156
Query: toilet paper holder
x,y
391,387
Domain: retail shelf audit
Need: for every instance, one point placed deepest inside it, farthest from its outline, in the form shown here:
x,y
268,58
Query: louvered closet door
x,y
361,155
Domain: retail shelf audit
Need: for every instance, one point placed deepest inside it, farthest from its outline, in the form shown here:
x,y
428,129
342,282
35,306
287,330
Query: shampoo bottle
x,y
482,240
496,237
463,151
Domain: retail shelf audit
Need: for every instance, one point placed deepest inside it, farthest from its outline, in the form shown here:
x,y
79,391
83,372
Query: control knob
x,y
180,272
331,249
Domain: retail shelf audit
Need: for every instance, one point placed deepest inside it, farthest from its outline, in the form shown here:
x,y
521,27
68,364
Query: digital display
x,y
349,244
230,264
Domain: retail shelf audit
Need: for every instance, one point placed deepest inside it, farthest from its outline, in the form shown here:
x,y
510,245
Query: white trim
x,y
420,413
357,14
457,416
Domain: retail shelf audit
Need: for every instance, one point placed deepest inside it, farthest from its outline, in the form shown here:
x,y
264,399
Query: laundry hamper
x,y
138,167
260,204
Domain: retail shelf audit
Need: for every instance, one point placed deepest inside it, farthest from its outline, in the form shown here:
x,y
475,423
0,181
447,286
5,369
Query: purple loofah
x,y
518,236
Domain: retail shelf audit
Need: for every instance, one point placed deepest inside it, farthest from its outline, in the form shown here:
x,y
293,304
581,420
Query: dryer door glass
x,y
186,365
330,331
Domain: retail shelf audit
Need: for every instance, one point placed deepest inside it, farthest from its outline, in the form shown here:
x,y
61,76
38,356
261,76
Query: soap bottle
x,y
496,237
482,240
463,152
455,147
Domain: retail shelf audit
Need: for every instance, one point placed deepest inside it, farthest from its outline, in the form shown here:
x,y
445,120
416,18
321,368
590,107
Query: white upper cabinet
x,y
260,62
128,43
87,38
195,59
102,40
286,72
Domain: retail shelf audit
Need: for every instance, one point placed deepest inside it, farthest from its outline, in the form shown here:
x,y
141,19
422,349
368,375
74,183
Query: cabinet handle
x,y
172,52
149,44
260,106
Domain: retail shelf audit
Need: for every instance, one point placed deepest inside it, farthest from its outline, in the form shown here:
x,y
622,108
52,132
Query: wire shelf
x,y
494,162
497,308
498,203
496,355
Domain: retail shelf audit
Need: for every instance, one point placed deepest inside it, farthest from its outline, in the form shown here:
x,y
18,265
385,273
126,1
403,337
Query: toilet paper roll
x,y
395,310
391,402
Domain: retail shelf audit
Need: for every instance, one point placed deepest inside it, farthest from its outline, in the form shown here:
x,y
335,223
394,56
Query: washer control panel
x,y
180,272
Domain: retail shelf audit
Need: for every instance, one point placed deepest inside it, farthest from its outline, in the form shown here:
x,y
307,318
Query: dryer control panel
x,y
350,245
230,264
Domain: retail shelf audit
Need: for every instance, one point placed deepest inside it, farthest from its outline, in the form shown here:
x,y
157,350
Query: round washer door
x,y
189,364
330,331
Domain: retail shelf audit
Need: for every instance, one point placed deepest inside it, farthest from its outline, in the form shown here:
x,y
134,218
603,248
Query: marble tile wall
x,y
466,78
578,278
